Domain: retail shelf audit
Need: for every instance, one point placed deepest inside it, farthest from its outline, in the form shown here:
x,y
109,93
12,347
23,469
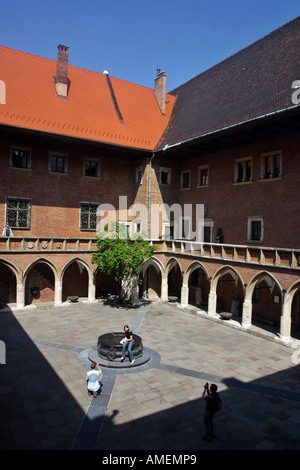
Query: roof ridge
x,y
11,49
238,52
76,67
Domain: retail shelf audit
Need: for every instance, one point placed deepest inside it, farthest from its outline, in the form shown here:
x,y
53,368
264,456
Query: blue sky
x,y
131,39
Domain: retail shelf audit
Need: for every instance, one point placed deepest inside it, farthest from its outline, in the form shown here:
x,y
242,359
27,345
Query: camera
x,y
206,386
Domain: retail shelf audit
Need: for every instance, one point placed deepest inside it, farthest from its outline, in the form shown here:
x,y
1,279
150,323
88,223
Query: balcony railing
x,y
266,256
45,244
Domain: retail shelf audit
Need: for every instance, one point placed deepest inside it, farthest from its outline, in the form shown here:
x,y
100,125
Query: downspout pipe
x,y
149,193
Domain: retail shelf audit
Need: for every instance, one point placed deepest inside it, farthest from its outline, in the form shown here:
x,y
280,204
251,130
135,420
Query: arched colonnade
x,y
259,298
262,297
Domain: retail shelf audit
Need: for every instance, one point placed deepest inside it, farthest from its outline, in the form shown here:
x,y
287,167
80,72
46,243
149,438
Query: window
x,y
139,175
20,158
18,212
136,228
207,234
271,165
124,229
165,176
57,163
203,176
91,168
168,231
205,231
88,216
243,170
255,229
185,179
185,228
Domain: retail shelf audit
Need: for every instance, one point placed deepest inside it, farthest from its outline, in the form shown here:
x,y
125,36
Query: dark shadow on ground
x,y
37,410
116,302
262,415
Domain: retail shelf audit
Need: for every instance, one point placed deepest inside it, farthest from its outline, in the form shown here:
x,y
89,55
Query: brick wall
x,y
55,197
229,204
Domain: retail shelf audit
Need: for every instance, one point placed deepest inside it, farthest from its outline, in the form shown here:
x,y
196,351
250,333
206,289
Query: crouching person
x,y
93,378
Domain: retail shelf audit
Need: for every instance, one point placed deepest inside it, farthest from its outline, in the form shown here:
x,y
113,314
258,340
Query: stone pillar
x,y
58,292
92,289
20,296
184,296
285,320
247,313
212,303
285,329
164,290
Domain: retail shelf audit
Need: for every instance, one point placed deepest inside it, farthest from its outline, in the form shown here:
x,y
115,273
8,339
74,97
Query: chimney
x,y
61,79
160,90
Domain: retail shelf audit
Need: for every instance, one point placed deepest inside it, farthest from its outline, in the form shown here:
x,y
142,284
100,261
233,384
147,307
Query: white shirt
x,y
93,380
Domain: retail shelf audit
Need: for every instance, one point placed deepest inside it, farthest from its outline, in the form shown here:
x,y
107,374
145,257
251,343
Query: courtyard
x,y
155,406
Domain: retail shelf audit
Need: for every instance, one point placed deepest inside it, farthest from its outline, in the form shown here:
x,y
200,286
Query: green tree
x,y
120,255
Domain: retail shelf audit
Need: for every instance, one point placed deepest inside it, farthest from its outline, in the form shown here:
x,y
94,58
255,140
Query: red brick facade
x,y
245,176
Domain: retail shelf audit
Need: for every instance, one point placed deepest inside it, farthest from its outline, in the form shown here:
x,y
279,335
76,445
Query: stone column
x,y
58,292
285,329
247,313
184,296
20,296
285,320
212,303
164,290
92,289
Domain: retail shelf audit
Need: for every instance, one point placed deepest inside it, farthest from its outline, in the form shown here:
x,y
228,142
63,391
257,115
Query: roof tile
x,y
251,83
88,112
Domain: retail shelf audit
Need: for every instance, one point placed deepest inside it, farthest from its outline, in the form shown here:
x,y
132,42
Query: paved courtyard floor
x,y
156,406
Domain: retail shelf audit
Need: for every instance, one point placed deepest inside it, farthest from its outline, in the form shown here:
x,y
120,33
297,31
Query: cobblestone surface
x,y
44,403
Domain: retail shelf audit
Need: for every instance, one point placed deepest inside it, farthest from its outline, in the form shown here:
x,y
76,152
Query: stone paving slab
x,y
44,404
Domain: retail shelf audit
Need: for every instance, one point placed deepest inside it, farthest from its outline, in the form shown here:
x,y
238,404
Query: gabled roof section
x,y
250,84
89,112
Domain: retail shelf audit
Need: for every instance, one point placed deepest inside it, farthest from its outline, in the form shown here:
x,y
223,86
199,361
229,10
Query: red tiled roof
x,y
88,112
252,83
